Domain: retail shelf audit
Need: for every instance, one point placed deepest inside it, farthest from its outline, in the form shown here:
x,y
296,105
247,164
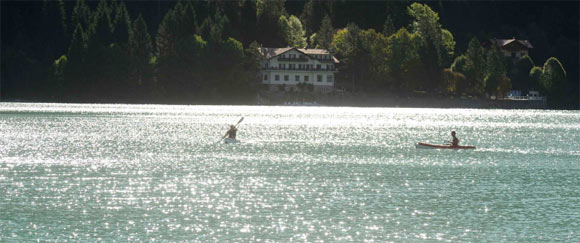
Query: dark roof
x,y
270,52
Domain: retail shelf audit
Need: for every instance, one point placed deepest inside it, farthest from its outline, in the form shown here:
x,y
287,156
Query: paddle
x,y
241,119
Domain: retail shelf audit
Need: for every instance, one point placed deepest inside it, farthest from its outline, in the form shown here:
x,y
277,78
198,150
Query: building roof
x,y
270,52
506,42
314,51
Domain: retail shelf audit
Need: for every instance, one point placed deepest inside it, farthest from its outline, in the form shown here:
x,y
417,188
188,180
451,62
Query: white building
x,y
287,67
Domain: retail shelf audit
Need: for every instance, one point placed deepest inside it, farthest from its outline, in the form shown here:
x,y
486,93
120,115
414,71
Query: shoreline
x,y
362,103
375,101
350,101
392,101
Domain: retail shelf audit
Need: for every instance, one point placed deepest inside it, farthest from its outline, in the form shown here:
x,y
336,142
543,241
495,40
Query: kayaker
x,y
455,141
232,132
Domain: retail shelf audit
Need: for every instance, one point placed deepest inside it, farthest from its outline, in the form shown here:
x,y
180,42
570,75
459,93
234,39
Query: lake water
x,y
155,172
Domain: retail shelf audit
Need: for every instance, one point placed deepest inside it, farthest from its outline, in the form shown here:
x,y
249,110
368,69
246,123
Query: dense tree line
x,y
206,51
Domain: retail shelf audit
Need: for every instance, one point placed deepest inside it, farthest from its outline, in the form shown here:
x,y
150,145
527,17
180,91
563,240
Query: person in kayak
x,y
232,132
455,141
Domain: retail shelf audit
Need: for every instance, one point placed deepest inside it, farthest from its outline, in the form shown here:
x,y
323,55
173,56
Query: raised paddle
x,y
241,119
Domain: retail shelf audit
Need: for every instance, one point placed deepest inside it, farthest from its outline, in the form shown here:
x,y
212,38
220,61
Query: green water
x,y
144,172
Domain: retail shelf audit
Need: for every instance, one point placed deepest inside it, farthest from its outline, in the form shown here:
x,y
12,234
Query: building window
x,y
513,54
277,77
265,77
329,78
297,78
318,66
319,78
306,78
286,77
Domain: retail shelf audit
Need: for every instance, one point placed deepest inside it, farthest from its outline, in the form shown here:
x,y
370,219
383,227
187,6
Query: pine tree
x,y
167,35
81,14
122,25
313,13
77,49
140,42
325,34
185,15
388,27
292,31
268,29
53,30
101,31
249,20
75,70
141,51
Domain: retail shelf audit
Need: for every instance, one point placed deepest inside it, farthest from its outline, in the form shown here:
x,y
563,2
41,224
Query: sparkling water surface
x,y
85,172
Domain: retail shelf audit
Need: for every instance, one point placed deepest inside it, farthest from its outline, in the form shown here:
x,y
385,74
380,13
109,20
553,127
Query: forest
x,y
206,52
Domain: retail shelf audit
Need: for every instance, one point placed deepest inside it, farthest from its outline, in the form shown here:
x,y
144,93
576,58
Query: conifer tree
x,y
122,25
185,14
292,31
268,29
167,35
101,31
75,71
313,13
53,30
81,14
388,26
249,21
78,45
140,49
325,34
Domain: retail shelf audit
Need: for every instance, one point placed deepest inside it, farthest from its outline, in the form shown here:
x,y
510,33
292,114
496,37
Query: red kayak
x,y
435,146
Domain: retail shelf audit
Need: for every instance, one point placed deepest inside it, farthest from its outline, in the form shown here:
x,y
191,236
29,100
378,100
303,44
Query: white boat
x,y
231,140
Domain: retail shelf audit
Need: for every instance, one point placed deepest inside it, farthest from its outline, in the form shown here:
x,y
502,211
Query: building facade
x,y
510,47
282,69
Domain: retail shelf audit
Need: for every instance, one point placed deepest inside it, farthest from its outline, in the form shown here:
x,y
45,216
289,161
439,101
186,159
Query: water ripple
x,y
89,172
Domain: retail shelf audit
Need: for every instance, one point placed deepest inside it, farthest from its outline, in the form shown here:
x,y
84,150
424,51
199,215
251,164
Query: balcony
x,y
326,60
300,69
295,59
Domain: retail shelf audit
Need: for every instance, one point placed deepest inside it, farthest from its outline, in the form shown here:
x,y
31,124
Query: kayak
x,y
231,140
436,146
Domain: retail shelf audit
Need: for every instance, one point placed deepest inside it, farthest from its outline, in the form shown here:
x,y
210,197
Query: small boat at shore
x,y
437,146
231,141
